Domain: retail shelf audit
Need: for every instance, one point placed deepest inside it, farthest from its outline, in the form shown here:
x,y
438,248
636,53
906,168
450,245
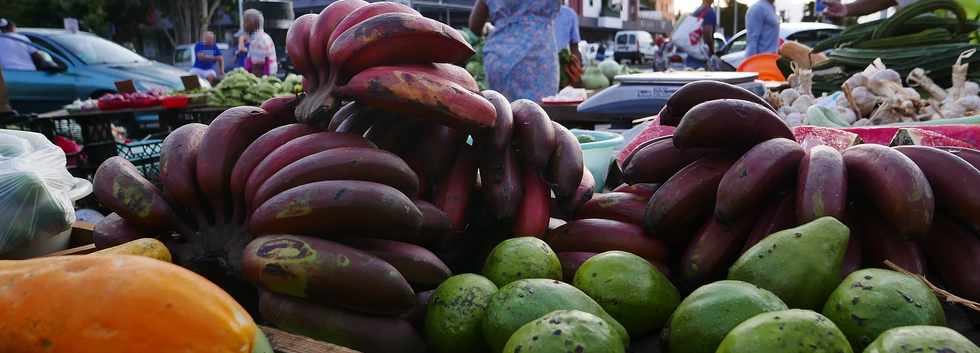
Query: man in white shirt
x,y
15,51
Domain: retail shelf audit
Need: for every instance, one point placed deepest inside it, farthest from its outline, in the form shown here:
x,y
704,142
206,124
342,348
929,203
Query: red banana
x,y
502,188
536,138
534,211
178,161
121,188
298,46
566,164
644,190
338,208
777,215
345,163
618,206
947,175
728,124
394,39
685,199
583,193
601,235
415,92
292,151
370,10
712,251
452,194
954,252
227,137
896,187
821,185
697,92
657,160
254,154
747,183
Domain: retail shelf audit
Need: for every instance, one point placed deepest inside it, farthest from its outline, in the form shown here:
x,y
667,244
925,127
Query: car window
x,y
93,50
622,39
632,39
183,55
737,44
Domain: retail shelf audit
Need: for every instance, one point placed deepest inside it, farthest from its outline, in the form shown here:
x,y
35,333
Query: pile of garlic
x,y
794,103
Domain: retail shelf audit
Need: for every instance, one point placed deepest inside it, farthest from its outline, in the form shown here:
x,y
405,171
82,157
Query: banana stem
x,y
941,293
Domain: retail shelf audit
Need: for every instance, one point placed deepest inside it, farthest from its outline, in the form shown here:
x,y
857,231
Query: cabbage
x,y
609,68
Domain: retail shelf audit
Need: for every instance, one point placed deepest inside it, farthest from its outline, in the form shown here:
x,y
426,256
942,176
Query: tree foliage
x,y
120,20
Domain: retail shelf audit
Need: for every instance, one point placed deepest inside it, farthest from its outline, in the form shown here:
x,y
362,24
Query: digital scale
x,y
646,93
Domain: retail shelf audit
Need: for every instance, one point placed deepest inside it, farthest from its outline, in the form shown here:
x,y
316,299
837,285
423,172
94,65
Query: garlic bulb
x,y
969,103
887,75
795,119
864,100
788,96
846,115
971,88
858,80
802,104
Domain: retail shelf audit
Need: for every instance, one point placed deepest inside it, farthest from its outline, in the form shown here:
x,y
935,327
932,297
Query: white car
x,y
808,33
634,46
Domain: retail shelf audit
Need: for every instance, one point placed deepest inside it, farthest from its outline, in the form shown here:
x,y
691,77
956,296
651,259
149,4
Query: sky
x,y
794,8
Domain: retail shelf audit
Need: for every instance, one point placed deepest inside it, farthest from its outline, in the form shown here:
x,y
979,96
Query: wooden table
x,y
568,115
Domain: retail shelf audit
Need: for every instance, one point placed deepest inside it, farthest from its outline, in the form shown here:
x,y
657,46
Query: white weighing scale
x,y
646,93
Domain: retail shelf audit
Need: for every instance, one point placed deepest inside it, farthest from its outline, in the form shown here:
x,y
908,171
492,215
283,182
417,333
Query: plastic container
x,y
599,153
80,190
765,65
175,102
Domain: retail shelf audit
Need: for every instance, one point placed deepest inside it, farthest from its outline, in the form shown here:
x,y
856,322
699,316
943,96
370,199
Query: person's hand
x,y
835,8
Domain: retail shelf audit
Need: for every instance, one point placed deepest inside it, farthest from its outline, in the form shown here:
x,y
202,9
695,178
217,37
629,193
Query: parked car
x,y
184,57
808,33
87,67
635,46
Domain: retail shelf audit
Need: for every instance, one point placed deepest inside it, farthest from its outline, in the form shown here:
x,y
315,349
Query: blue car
x,y
87,67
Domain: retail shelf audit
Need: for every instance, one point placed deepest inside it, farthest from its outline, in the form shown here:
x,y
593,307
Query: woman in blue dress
x,y
520,57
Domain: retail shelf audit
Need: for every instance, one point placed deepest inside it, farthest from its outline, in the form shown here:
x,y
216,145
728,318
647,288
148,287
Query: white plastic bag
x,y
34,186
688,37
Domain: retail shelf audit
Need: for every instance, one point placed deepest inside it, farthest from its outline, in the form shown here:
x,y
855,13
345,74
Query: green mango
x,y
921,339
787,331
565,331
523,301
630,289
703,319
520,258
801,265
871,301
455,313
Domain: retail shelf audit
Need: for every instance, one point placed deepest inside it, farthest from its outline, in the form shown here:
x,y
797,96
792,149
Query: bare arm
x,y
865,7
479,17
708,33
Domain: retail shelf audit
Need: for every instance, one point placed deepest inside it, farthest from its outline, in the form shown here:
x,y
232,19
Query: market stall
x,y
397,207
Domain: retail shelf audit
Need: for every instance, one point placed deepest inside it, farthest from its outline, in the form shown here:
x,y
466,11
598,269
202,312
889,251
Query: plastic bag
x,y
34,186
688,36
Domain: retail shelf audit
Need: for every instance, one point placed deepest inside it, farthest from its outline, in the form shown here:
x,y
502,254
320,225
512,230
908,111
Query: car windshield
x,y
622,39
93,50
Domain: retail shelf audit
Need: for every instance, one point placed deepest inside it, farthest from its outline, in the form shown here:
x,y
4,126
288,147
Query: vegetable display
x,y
396,207
346,215
914,37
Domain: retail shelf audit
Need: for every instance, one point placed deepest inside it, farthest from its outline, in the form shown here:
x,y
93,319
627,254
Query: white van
x,y
634,46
